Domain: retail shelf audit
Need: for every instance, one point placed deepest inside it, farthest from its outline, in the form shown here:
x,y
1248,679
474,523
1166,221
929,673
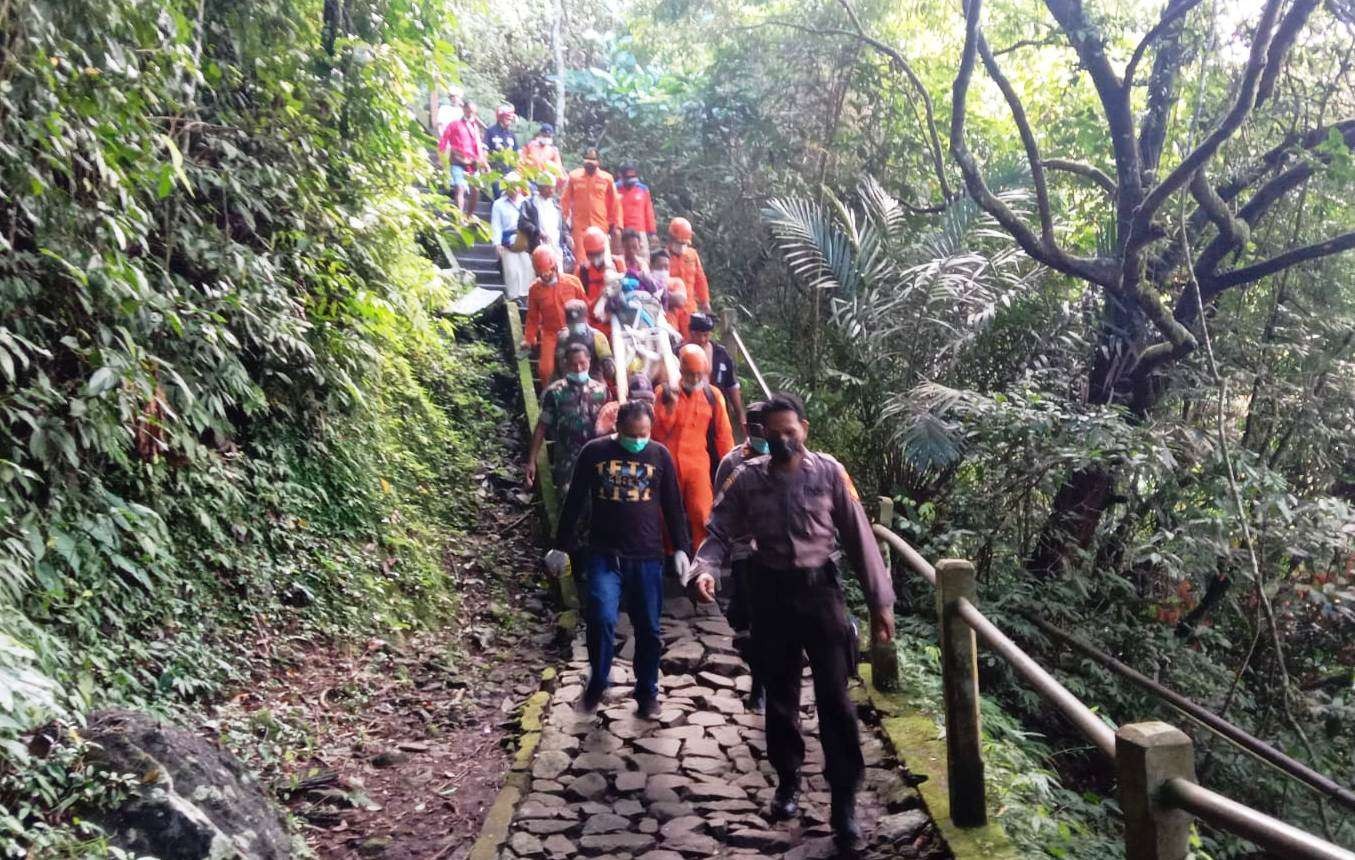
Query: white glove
x,y
556,561
681,564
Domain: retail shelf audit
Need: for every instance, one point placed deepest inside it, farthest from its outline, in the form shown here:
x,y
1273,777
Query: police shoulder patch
x,y
729,482
846,478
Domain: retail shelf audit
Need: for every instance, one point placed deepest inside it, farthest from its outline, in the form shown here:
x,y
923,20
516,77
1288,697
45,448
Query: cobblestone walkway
x,y
695,782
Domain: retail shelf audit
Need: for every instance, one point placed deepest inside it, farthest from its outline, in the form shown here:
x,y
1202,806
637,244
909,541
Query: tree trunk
x,y
557,43
1085,494
1073,518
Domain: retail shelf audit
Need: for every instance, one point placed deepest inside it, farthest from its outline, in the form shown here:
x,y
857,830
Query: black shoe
x,y
846,829
647,709
757,699
784,804
590,700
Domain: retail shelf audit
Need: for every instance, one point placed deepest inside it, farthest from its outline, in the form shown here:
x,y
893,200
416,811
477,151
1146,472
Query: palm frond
x,y
816,249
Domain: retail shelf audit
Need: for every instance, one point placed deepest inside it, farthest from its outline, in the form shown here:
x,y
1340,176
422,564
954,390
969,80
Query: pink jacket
x,y
463,140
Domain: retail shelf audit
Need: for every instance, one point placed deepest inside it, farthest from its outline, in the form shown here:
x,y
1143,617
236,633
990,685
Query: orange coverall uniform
x,y
545,318
688,267
590,201
684,428
637,208
543,156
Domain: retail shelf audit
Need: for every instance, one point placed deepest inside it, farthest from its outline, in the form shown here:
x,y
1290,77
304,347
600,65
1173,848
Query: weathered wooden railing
x,y
1154,761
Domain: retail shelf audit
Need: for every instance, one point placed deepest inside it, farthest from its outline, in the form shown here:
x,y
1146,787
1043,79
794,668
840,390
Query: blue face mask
x,y
633,444
759,445
581,377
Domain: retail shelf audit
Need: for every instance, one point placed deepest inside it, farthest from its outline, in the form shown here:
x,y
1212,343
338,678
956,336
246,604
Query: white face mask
x,y
579,328
659,277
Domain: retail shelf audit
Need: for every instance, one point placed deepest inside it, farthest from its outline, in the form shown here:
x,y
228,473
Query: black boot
x,y
757,699
846,829
784,803
589,701
647,709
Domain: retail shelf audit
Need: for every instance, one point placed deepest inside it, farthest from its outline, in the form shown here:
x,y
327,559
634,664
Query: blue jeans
x,y
639,582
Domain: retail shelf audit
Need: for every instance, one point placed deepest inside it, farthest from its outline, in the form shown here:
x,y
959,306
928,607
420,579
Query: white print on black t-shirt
x,y
625,480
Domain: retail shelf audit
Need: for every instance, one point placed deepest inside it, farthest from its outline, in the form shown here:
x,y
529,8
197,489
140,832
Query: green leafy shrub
x,y
229,401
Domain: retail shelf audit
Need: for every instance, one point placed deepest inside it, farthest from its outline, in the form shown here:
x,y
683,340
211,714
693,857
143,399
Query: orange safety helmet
x,y
680,229
594,240
692,358
543,259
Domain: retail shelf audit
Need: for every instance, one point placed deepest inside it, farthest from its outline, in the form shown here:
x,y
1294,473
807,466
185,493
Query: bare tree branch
x,y
1262,200
1276,157
1228,125
1278,263
1095,271
1157,112
1051,38
1175,10
1027,140
1285,36
1235,230
1265,198
1087,171
1087,41
938,158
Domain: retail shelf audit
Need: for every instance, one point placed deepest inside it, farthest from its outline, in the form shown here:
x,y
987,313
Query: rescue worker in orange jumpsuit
x,y
592,271
693,424
685,263
591,200
637,208
546,308
540,153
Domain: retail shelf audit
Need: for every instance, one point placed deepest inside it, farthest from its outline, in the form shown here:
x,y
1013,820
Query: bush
x,y
229,401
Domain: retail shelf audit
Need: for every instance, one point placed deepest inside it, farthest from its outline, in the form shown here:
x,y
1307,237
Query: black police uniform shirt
x,y
724,375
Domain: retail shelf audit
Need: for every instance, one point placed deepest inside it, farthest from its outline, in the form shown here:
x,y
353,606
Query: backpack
x,y
528,234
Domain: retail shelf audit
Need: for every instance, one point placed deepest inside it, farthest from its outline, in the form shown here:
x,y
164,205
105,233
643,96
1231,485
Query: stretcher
x,y
642,338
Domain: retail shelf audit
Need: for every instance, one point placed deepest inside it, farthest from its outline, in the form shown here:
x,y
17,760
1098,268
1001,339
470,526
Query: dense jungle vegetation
x,y
976,239
231,408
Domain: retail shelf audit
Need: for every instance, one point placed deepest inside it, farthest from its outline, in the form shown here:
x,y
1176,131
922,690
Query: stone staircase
x,y
481,260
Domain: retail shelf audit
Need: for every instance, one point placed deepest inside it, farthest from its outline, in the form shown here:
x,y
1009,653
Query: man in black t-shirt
x,y
632,484
499,138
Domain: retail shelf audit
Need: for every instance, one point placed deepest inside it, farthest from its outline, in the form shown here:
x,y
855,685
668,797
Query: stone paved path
x,y
695,782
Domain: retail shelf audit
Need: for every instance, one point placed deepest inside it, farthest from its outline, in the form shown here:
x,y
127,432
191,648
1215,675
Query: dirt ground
x,y
397,748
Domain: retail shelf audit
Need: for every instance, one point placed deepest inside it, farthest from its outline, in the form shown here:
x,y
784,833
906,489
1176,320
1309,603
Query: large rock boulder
x,y
195,801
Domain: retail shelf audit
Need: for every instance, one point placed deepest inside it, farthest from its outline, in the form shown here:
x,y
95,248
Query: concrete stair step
x,y
471,258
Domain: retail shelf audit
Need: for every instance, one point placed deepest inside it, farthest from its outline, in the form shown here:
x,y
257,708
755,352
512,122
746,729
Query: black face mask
x,y
782,449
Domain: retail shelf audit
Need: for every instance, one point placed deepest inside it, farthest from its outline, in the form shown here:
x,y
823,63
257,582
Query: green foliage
x,y
39,822
229,401
969,398
1042,817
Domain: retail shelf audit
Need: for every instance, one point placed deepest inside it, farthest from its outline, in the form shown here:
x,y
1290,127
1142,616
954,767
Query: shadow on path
x,y
695,782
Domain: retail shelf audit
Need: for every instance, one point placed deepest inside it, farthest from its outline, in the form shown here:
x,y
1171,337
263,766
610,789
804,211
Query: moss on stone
x,y
916,742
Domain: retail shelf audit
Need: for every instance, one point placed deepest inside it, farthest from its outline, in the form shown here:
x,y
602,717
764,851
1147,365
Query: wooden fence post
x,y
1147,755
960,682
726,322
884,658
